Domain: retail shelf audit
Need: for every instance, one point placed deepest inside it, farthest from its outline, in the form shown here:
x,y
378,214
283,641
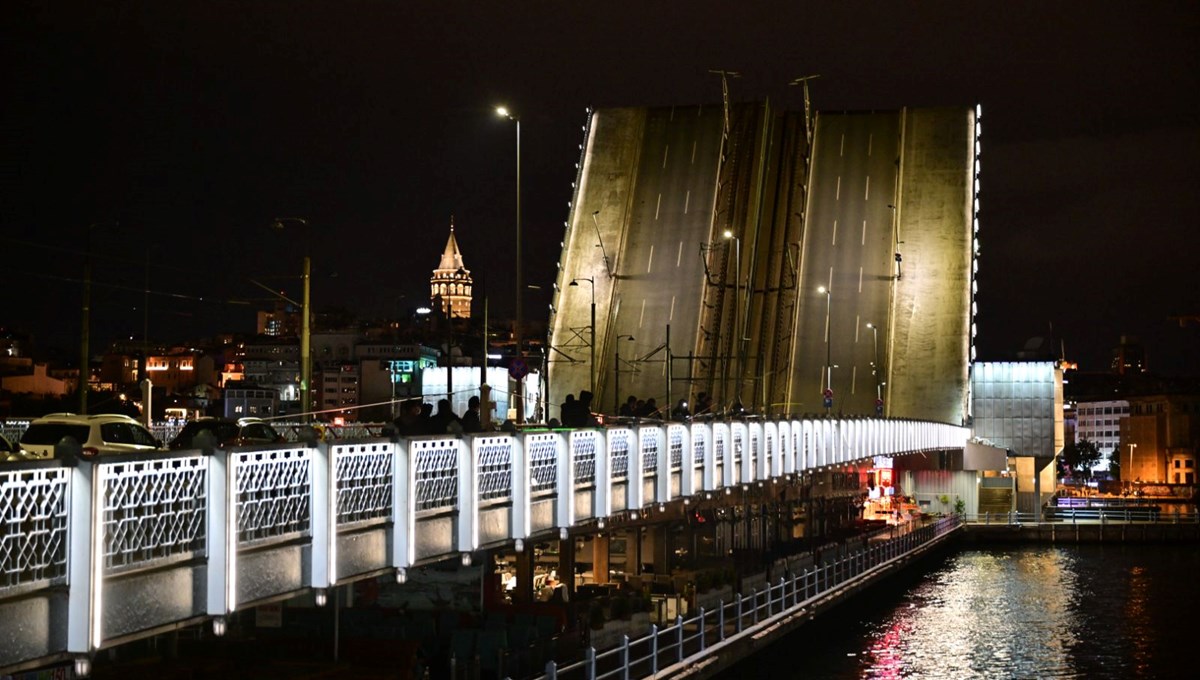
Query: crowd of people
x,y
419,418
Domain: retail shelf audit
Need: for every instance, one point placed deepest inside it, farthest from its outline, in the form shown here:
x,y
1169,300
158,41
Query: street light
x,y
737,309
1128,473
617,375
875,363
600,240
305,315
85,310
503,112
828,392
592,368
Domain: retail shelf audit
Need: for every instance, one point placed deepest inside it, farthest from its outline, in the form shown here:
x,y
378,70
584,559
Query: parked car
x,y
103,433
227,432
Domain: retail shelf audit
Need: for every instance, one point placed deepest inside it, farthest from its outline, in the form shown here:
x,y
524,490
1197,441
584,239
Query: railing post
x,y
625,656
551,670
83,565
591,663
738,625
754,602
702,629
323,517
679,635
720,620
653,650
221,530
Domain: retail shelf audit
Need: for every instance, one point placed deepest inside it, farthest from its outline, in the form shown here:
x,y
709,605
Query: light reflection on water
x,y
1085,611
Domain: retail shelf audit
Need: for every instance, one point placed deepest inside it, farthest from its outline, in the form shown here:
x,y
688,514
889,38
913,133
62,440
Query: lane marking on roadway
x,y
693,152
687,198
829,284
642,316
867,192
837,194
679,255
672,315
864,238
870,139
853,377
857,321
666,150
860,279
842,147
835,232
650,261
657,207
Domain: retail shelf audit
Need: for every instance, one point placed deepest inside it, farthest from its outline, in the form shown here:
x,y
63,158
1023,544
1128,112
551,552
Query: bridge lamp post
x,y
503,112
737,311
1128,475
828,349
280,224
85,313
592,369
875,363
617,375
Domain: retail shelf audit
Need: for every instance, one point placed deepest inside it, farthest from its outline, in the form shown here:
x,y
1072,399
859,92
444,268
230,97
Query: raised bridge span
x,y
98,552
742,253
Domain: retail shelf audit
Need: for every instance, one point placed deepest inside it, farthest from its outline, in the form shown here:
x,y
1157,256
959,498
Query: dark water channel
x,y
1038,611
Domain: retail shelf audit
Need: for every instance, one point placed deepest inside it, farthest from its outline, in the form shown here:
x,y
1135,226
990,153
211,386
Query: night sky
x,y
194,124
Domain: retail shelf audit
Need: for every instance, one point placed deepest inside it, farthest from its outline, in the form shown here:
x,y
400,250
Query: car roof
x,y
83,419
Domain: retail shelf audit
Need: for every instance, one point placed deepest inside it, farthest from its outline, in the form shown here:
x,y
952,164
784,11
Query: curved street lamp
x,y
592,368
828,393
503,112
617,375
875,362
85,362
737,314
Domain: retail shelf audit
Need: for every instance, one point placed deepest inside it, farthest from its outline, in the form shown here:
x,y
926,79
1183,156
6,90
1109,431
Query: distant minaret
x,y
450,285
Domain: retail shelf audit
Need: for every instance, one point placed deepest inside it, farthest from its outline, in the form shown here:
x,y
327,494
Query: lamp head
x,y
822,290
728,234
573,282
503,112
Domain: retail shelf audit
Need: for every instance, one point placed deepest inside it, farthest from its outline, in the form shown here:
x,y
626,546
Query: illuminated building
x,y
1162,438
450,285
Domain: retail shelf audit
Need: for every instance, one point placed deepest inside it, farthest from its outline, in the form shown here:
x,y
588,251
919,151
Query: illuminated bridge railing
x,y
99,551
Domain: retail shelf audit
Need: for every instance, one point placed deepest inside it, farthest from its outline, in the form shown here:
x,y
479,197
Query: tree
x,y
1114,463
1080,457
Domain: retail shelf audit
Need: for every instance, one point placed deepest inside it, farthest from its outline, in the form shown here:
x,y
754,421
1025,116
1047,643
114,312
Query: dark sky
x,y
193,124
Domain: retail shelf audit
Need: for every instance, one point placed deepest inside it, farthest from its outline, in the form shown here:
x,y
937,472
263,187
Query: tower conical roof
x,y
451,257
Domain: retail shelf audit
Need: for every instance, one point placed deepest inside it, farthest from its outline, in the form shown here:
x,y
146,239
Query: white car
x,y
104,433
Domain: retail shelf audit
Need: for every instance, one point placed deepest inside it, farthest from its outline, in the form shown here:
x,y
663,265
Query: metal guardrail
x,y
692,638
1066,515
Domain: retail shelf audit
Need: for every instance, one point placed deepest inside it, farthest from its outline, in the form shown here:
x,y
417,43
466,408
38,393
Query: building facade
x,y
1161,440
1100,422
